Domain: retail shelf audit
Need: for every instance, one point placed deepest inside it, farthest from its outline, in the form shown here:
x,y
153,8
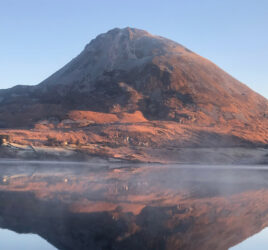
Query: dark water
x,y
112,206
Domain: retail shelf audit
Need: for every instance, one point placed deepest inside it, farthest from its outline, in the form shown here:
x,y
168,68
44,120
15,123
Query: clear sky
x,y
37,37
258,241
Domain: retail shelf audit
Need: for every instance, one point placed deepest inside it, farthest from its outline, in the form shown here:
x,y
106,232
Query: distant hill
x,y
128,76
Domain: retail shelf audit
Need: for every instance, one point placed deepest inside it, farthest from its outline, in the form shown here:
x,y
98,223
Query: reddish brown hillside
x,y
128,76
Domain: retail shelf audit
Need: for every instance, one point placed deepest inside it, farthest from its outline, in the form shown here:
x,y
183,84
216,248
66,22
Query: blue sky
x,y
37,37
258,241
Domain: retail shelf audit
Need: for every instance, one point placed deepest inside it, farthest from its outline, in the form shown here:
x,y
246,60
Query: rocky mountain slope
x,y
131,88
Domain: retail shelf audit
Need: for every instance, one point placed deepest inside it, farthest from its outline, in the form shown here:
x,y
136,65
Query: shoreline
x,y
189,155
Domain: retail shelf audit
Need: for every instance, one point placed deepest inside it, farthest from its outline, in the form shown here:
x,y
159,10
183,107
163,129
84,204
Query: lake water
x,y
11,240
123,206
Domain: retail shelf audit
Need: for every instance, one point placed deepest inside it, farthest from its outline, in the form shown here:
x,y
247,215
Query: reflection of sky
x,y
13,241
256,242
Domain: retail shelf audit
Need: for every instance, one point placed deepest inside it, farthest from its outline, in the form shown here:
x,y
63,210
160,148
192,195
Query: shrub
x,y
78,143
52,141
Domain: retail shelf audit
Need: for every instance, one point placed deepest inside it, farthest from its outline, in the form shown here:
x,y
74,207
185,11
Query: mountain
x,y
128,76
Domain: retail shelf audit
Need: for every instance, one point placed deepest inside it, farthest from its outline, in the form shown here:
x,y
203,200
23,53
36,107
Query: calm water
x,y
120,206
12,240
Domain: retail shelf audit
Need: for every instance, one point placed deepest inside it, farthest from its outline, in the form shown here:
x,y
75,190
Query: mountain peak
x,y
130,94
128,31
140,42
129,70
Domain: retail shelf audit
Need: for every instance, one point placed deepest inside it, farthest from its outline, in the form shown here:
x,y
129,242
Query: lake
x,y
49,205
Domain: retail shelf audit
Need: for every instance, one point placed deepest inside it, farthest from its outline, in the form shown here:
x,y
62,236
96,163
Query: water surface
x,y
11,240
124,206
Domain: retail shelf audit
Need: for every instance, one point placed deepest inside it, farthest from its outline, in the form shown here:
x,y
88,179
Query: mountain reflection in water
x,y
76,206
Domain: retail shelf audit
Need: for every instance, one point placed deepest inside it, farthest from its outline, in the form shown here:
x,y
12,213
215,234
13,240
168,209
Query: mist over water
x,y
133,206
